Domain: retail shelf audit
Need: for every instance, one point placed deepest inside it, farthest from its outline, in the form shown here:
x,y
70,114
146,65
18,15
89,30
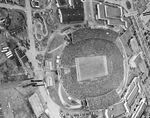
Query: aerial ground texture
x,y
96,46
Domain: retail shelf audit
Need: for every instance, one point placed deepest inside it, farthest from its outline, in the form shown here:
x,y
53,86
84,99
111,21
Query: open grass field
x,y
97,45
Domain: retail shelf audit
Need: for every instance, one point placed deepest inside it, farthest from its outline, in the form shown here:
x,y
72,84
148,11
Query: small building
x,y
21,55
143,67
113,21
100,8
132,96
132,93
48,65
134,45
116,110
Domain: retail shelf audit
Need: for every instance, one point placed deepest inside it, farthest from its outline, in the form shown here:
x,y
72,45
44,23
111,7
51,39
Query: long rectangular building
x,y
36,105
140,109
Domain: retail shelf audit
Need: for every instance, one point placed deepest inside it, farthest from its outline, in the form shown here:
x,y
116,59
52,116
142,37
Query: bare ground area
x,y
14,101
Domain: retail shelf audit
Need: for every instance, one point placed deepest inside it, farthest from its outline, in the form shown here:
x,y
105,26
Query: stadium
x,y
92,67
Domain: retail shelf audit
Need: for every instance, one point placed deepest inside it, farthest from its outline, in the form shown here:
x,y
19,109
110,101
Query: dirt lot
x,y
14,102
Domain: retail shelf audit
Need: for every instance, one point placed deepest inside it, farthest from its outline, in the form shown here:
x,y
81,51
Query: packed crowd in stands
x,y
98,88
102,102
85,33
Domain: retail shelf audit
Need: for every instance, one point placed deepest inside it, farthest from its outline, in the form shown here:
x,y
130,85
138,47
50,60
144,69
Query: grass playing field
x,y
91,67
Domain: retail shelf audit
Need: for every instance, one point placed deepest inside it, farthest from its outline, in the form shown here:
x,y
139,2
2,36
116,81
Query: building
x,y
135,60
24,61
74,13
111,14
116,110
100,9
132,96
21,55
115,22
143,67
37,106
48,65
140,109
134,45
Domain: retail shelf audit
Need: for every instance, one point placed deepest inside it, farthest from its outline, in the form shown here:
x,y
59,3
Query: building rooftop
x,y
20,53
113,12
134,45
112,21
101,11
36,105
116,110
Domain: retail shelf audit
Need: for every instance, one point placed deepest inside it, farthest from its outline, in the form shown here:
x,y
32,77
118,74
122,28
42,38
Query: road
x,y
88,11
52,107
122,87
141,38
39,73
32,52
